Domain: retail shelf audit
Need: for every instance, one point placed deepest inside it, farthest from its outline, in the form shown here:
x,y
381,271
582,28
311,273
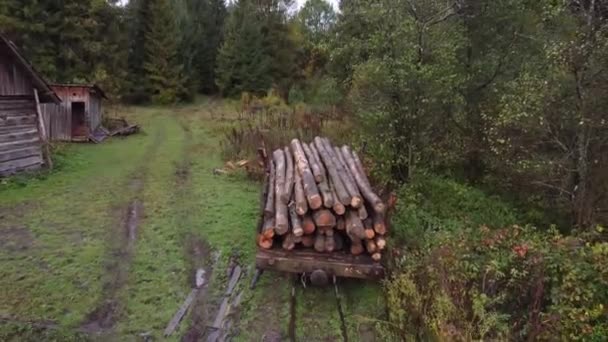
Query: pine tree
x,y
163,71
243,64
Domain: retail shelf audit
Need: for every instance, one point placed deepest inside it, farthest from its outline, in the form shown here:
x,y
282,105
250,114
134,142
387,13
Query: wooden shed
x,y
22,133
78,116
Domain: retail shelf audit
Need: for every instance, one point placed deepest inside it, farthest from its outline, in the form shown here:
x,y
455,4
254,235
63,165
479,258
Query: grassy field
x,y
73,266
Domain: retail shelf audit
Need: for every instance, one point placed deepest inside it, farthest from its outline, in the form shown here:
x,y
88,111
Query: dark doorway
x,y
79,126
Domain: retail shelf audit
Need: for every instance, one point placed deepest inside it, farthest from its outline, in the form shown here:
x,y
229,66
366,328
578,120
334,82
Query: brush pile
x,y
320,198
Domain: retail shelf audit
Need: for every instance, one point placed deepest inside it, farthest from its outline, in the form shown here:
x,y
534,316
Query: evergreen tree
x,y
163,71
243,64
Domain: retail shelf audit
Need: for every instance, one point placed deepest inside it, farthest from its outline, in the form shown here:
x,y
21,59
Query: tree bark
x,y
360,168
310,186
289,176
363,184
341,192
317,157
269,208
362,212
281,214
289,242
301,203
296,223
350,187
314,166
338,207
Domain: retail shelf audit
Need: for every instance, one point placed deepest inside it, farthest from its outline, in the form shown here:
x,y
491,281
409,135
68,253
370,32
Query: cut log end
x,y
263,242
376,257
370,233
315,201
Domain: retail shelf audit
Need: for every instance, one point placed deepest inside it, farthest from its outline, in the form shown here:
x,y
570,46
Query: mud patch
x,y
16,239
132,221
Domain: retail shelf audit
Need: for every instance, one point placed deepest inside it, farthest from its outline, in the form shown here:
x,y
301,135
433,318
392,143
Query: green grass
x,y
59,233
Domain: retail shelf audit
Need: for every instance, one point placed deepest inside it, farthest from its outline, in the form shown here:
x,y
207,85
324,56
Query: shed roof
x,y
93,87
45,92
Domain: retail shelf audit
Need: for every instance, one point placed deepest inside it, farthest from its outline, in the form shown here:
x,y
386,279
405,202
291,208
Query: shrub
x,y
464,280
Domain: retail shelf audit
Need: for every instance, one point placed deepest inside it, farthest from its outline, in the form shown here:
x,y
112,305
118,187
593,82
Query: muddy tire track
x,y
121,244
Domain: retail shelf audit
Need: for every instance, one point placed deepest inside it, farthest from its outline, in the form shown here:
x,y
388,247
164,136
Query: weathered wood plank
x,y
17,111
19,134
10,129
179,315
14,166
18,120
19,154
13,145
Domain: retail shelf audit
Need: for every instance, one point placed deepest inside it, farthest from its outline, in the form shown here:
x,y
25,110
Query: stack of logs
x,y
319,197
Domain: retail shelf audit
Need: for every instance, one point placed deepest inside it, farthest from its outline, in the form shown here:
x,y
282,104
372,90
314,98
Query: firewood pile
x,y
320,198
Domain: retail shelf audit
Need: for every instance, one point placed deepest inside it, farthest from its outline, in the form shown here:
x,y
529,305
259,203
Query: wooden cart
x,y
319,266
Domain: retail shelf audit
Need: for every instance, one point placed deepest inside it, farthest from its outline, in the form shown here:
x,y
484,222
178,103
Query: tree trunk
x,y
269,207
301,203
268,228
338,207
289,176
379,224
314,166
317,157
281,214
310,186
363,184
354,226
341,192
296,223
350,187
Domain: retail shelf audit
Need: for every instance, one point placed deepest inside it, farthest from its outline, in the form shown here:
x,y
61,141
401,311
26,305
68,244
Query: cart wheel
x,y
319,278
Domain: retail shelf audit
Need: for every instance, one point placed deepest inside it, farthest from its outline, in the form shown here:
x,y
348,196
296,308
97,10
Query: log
x,y
308,181
359,164
297,239
362,183
354,225
281,213
319,242
350,187
376,256
354,190
356,247
308,241
289,176
289,242
328,196
329,240
296,223
264,242
362,211
369,228
314,166
278,156
338,207
379,225
269,207
380,242
342,194
308,225
300,198
317,157
268,228
324,219
370,246
340,223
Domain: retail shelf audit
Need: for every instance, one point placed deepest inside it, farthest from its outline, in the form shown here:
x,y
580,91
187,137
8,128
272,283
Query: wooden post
x,y
42,133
